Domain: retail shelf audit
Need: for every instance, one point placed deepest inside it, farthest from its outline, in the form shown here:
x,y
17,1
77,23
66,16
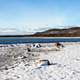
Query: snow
x,y
66,64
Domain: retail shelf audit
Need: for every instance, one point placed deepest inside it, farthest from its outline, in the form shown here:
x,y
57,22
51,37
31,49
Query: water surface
x,y
16,40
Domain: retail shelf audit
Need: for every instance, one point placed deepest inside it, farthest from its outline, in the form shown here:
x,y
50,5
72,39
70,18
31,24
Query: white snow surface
x,y
66,65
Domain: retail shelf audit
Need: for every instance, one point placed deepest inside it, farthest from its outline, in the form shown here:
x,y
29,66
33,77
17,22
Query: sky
x,y
29,16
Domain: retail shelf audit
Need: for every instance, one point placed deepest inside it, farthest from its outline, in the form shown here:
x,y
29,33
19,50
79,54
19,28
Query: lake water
x,y
15,40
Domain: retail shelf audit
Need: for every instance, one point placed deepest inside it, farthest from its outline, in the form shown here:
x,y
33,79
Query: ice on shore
x,y
27,65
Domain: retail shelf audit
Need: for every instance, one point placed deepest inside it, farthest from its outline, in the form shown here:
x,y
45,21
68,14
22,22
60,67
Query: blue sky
x,y
27,16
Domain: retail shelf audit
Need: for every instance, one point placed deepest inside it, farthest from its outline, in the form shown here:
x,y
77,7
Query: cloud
x,y
32,27
56,22
14,31
6,31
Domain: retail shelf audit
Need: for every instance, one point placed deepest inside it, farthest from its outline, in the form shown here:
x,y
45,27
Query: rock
x,y
44,62
24,57
6,68
28,49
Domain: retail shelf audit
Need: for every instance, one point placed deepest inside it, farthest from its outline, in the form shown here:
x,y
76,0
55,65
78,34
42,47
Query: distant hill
x,y
69,32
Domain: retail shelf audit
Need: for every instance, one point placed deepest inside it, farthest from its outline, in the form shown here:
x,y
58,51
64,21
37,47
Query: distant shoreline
x,y
70,32
21,36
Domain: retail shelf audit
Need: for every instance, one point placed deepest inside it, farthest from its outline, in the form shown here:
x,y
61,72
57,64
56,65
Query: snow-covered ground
x,y
23,65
